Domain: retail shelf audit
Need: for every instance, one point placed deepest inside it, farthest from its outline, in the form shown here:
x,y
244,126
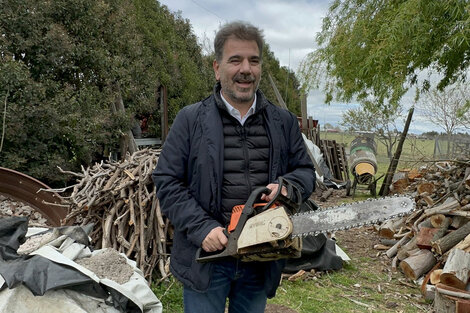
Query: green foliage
x,y
61,62
175,56
285,79
378,47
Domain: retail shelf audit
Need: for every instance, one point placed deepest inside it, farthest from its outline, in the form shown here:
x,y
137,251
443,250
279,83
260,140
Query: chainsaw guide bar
x,y
351,215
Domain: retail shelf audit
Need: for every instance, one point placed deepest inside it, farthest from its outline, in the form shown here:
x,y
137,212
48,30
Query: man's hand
x,y
215,240
274,188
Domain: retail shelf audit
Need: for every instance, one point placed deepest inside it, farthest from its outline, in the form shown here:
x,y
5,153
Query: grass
x,y
352,289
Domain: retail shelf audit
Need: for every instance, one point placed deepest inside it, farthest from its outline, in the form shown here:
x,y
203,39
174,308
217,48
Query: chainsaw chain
x,y
351,204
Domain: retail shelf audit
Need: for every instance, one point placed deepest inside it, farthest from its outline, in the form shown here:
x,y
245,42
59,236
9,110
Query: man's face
x,y
239,71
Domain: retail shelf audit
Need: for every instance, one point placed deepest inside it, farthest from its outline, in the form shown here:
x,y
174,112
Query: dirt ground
x,y
359,245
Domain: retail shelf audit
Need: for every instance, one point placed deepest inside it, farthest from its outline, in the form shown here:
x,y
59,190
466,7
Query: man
x,y
217,152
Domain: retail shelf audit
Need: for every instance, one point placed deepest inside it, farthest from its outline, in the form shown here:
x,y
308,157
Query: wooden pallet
x,y
335,158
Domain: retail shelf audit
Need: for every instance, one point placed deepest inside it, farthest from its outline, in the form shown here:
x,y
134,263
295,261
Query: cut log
x,y
390,228
451,291
425,290
448,241
449,299
444,208
325,195
443,303
403,251
435,277
464,244
394,249
437,220
456,270
418,264
388,242
462,306
459,221
424,237
442,230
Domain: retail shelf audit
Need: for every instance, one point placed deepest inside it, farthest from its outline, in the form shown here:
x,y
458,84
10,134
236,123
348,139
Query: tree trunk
x,y
385,188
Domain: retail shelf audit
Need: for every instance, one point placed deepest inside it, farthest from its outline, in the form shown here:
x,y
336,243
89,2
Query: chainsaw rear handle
x,y
292,202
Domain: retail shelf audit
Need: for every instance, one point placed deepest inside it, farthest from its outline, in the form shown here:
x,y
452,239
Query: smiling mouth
x,y
244,83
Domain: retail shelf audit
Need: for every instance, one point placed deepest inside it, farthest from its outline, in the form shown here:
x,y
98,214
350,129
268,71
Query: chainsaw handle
x,y
292,201
230,250
232,246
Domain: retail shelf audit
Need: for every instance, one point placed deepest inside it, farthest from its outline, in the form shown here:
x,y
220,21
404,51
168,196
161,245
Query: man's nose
x,y
245,66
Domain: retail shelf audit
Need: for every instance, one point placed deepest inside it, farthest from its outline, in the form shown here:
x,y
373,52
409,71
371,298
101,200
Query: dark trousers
x,y
242,283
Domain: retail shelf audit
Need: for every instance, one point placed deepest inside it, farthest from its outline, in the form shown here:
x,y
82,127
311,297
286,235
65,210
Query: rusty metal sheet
x,y
25,188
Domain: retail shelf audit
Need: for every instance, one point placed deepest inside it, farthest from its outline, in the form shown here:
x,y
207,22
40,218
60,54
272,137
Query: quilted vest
x,y
246,160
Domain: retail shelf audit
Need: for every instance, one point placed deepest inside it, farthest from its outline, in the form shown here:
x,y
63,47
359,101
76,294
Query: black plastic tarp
x,y
318,252
40,274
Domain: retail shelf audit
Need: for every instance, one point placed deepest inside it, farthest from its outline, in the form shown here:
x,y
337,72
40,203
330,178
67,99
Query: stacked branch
x,y
433,243
119,198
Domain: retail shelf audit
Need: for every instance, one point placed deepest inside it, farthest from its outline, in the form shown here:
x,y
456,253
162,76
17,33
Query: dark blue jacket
x,y
189,176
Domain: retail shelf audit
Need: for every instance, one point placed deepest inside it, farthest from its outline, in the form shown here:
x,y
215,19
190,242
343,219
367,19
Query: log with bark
x,y
456,270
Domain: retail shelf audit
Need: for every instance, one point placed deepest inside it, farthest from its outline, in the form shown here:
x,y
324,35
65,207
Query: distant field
x,y
415,152
414,149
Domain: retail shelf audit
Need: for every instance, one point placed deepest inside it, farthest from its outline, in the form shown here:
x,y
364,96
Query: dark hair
x,y
238,30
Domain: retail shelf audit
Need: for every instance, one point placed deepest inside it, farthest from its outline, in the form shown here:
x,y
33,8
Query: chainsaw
x,y
273,230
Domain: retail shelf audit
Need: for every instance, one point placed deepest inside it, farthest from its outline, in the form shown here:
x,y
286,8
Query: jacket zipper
x,y
245,155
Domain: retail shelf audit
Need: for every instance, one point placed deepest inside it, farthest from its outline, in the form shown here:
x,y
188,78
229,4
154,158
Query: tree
x,y
60,63
380,47
367,118
445,108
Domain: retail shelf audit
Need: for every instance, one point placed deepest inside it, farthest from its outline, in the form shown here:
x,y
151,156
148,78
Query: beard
x,y
241,95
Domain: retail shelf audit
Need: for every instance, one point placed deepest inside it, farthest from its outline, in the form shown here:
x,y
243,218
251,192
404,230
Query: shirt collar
x,y
235,113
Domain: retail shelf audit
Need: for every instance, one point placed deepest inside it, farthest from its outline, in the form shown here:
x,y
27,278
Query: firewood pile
x,y
119,198
432,245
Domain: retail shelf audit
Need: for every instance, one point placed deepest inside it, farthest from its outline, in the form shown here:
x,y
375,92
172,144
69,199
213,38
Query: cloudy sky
x,y
289,26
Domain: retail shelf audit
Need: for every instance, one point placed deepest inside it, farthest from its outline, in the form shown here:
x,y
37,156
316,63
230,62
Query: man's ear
x,y
215,66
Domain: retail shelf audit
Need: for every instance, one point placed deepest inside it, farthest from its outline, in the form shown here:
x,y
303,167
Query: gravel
x,y
10,207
